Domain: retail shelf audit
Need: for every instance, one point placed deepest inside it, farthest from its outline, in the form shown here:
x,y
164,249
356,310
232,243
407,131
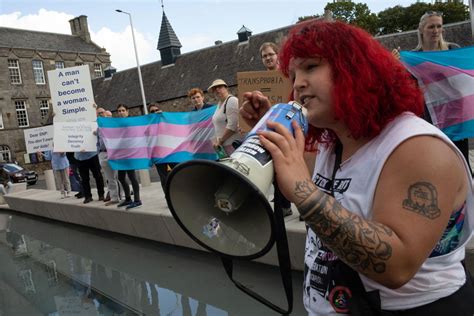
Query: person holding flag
x,y
428,70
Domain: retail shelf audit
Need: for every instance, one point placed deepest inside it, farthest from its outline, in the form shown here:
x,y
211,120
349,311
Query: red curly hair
x,y
371,87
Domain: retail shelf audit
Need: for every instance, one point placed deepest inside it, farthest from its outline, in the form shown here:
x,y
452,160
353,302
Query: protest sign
x,y
71,94
271,83
72,136
39,139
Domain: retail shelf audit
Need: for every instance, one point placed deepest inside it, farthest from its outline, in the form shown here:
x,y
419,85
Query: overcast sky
x,y
197,24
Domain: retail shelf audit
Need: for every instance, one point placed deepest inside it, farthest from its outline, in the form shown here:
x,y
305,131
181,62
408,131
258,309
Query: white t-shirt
x,y
229,119
355,184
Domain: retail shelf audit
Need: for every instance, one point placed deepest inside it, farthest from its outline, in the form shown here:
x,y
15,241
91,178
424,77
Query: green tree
x,y
452,11
354,13
399,19
390,20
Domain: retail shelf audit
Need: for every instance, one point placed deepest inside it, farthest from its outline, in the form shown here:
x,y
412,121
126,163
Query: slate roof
x,y
167,37
194,69
244,29
17,38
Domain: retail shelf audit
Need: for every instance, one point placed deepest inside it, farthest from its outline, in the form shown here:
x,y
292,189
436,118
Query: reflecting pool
x,y
53,268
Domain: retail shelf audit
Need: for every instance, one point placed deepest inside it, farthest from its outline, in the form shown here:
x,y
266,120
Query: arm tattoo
x,y
304,189
422,199
360,243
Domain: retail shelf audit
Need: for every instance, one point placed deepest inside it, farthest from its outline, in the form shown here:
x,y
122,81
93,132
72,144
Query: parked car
x,y
19,174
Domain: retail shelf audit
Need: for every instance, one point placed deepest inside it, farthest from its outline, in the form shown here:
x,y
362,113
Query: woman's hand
x,y
254,106
396,52
287,151
216,142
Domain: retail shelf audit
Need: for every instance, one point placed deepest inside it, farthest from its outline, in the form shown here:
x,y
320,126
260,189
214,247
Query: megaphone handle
x,y
283,260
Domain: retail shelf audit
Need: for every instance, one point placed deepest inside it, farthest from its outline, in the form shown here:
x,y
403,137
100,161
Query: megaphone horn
x,y
223,205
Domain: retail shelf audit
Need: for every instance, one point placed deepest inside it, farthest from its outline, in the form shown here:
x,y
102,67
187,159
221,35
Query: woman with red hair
x,y
389,206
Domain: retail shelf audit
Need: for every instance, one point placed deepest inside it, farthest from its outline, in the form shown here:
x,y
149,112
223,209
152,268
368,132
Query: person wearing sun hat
x,y
226,117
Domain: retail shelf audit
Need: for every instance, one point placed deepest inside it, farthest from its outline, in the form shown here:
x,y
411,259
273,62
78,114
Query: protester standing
x,y
197,99
269,54
430,38
60,166
389,207
109,173
74,177
226,117
122,111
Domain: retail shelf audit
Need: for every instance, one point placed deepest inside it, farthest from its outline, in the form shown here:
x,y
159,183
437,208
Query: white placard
x,y
39,139
71,94
75,136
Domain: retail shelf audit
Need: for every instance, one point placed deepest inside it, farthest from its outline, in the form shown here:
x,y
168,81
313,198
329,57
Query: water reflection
x,y
51,268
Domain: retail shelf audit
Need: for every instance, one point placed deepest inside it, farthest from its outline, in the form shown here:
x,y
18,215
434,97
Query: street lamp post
x,y
471,13
145,110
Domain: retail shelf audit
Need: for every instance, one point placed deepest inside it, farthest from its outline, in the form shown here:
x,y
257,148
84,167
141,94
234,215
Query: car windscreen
x,y
9,167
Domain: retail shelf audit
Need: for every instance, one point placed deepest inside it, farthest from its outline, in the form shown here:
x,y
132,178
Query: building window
x,y
21,114
59,65
27,279
14,69
44,108
38,72
52,273
79,64
98,70
1,121
5,153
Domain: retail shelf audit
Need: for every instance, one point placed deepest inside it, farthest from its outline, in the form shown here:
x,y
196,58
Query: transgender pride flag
x,y
139,142
446,78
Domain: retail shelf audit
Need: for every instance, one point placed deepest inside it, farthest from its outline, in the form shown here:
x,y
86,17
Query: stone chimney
x,y
80,28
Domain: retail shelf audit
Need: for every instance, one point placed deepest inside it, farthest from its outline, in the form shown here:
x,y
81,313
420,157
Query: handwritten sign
x,y
71,94
271,83
39,139
71,136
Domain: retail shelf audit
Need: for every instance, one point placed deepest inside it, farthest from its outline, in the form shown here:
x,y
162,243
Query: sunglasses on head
x,y
437,13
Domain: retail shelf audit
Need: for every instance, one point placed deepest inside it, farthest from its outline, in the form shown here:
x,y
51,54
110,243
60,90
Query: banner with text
x,y
71,94
271,83
39,139
72,136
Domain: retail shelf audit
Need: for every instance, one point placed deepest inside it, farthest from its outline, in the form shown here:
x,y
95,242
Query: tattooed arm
x,y
413,201
406,222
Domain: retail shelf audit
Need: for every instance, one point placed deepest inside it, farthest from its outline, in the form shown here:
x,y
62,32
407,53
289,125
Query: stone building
x,y
25,58
24,101
167,81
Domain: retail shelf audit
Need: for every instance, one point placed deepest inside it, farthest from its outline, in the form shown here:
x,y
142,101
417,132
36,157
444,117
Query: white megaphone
x,y
223,205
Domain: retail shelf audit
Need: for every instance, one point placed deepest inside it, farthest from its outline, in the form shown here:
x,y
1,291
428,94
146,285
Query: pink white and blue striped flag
x,y
447,79
139,142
